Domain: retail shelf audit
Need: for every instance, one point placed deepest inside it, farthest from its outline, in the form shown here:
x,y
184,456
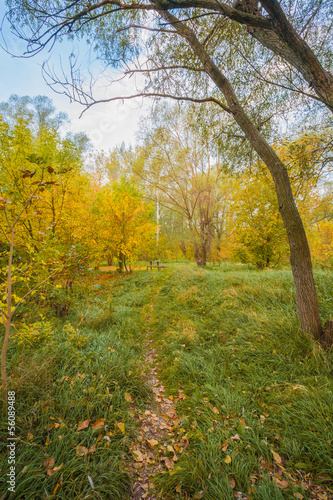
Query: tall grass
x,y
258,409
78,374
229,338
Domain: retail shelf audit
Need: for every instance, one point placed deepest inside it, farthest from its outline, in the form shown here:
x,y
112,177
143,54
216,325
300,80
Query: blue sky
x,y
106,124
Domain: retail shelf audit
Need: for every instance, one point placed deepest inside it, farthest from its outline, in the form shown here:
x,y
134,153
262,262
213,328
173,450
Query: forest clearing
x,y
187,383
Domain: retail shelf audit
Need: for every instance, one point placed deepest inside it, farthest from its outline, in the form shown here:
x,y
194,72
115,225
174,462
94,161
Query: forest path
x,y
160,440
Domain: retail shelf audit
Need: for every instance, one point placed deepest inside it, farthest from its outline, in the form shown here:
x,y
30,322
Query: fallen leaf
x,y
110,349
121,426
82,451
30,436
92,449
55,469
281,483
232,482
128,397
152,442
235,437
170,448
98,424
276,457
227,459
83,425
225,445
215,410
298,495
168,462
137,455
49,462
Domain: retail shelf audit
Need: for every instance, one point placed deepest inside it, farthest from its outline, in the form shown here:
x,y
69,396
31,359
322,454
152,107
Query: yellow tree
x,y
124,222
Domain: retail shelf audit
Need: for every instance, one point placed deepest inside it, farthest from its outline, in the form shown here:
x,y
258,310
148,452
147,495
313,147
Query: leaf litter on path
x,y
155,449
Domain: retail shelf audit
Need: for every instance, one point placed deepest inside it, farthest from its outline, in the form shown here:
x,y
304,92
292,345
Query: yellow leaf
x,y
276,457
152,442
137,455
55,469
215,410
121,426
227,459
30,436
128,397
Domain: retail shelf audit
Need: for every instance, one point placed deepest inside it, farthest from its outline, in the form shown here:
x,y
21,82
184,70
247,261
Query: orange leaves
x,y
128,397
83,425
50,469
99,424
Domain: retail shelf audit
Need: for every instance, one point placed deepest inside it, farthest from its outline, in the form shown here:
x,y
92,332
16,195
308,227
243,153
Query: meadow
x,y
252,393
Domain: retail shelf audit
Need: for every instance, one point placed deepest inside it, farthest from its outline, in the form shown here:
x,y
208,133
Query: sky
x,y
106,124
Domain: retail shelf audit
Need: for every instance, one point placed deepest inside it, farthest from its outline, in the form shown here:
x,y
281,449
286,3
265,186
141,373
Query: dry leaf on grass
x,y
98,424
152,442
49,462
225,445
83,425
168,462
232,482
121,426
281,483
137,455
82,451
276,457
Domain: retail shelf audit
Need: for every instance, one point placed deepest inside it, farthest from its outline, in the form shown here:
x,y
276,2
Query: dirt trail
x,y
160,439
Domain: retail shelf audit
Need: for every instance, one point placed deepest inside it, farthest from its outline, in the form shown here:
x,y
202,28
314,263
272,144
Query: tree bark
x,y
300,257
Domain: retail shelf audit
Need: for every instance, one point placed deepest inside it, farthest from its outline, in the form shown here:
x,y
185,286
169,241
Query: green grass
x,y
228,337
72,377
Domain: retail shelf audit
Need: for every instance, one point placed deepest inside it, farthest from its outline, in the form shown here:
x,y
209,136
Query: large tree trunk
x,y
300,257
